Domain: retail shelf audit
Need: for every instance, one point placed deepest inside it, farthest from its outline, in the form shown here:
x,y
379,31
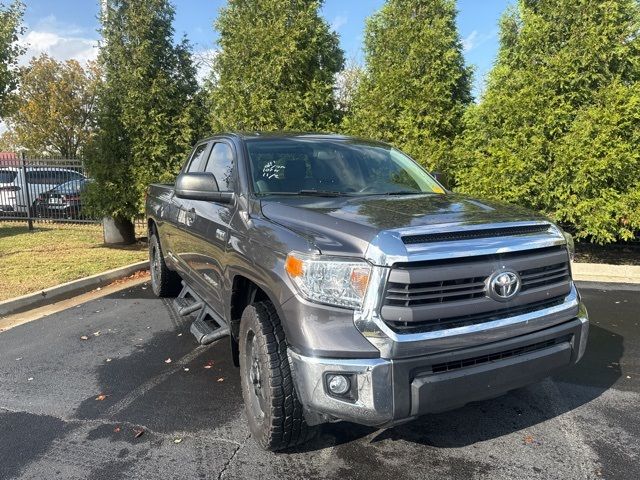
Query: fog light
x,y
338,384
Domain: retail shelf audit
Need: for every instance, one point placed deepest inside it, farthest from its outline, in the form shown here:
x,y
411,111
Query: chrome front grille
x,y
439,295
407,294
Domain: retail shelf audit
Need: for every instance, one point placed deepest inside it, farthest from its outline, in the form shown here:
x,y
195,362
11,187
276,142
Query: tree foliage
x,y
276,66
54,112
10,29
416,86
149,108
558,126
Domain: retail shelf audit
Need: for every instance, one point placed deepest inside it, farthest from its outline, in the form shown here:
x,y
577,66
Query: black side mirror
x,y
201,186
441,178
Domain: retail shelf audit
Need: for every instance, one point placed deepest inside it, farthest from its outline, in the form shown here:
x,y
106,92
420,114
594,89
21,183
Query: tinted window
x,y
221,165
197,159
7,176
51,177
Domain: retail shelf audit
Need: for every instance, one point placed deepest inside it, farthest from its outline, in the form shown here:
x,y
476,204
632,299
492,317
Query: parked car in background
x,y
14,185
63,201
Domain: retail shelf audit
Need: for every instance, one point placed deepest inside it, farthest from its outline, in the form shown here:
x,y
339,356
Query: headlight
x,y
331,280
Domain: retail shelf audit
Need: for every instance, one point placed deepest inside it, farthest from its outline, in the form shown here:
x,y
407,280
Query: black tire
x,y
164,282
271,404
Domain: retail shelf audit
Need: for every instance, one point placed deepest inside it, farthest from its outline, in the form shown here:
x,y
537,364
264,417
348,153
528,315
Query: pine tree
x,y
415,87
558,126
147,106
275,68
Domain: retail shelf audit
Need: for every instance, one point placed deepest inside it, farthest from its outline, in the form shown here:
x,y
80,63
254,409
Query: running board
x,y
208,326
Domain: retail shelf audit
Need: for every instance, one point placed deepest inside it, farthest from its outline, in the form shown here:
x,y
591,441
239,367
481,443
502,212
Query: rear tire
x,y
164,282
273,410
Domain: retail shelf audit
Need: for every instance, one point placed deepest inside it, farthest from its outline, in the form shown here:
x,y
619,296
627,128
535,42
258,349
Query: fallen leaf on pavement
x,y
168,360
101,397
116,430
529,440
138,432
221,379
179,334
108,359
186,369
29,379
209,364
84,337
177,440
96,334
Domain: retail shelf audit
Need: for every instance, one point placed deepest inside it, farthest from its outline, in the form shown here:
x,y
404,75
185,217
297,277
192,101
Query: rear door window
x,y
197,162
7,176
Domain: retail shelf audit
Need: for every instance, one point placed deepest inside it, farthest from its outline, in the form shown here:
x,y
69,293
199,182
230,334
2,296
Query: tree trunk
x,y
118,231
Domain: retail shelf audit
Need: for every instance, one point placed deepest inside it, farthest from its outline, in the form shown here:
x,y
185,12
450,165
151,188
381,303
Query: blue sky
x,y
67,28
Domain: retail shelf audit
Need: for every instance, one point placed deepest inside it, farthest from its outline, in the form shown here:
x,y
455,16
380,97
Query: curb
x,y
69,289
605,273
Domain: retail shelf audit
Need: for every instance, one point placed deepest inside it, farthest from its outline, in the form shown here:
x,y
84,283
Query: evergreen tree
x,y
415,87
10,29
276,67
148,115
558,126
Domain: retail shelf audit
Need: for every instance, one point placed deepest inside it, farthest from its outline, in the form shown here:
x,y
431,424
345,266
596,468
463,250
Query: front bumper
x,y
391,391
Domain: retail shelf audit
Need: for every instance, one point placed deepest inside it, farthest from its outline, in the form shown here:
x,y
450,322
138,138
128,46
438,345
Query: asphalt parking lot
x,y
90,393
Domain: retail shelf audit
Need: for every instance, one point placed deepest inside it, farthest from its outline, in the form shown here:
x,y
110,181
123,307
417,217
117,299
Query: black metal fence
x,y
43,190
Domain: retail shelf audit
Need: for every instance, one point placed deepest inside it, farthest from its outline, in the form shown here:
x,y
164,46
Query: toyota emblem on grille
x,y
504,285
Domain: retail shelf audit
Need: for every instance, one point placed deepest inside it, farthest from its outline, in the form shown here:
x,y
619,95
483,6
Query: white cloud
x,y
475,39
470,41
338,22
60,41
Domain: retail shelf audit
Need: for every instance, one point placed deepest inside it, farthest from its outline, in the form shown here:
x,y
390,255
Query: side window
x,y
221,165
196,164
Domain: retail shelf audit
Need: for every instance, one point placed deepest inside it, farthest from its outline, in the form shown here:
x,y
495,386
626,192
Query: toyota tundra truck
x,y
354,286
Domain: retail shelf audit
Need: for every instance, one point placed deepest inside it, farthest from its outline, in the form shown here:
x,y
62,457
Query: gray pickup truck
x,y
353,286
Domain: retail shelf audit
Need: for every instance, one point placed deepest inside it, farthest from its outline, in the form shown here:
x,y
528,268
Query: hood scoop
x,y
475,234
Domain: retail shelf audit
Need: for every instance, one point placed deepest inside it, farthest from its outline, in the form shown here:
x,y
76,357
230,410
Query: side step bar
x,y
208,326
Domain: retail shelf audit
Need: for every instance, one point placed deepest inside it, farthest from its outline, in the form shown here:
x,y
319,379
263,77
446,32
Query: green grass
x,y
54,254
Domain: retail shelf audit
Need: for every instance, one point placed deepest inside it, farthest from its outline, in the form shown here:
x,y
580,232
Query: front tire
x,y
164,282
273,410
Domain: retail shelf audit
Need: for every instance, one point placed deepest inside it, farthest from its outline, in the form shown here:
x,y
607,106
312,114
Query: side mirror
x,y
201,186
441,178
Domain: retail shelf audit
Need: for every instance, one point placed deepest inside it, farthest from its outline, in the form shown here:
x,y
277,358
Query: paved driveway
x,y
184,418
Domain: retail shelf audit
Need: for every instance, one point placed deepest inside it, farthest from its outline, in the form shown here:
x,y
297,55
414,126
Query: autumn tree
x,y
276,67
148,110
10,29
558,127
55,111
415,87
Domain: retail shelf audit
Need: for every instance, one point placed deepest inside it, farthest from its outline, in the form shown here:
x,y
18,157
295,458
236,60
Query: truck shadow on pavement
x,y
198,389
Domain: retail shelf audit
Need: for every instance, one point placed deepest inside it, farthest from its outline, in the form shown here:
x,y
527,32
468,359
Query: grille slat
x,y
475,234
482,359
473,319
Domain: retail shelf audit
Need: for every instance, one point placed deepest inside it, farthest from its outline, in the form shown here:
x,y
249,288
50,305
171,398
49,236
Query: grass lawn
x,y
56,253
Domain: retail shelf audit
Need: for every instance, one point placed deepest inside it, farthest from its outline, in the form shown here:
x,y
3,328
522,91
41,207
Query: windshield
x,y
345,167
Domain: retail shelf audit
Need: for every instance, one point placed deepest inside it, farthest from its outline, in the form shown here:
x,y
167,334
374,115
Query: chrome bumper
x,y
386,388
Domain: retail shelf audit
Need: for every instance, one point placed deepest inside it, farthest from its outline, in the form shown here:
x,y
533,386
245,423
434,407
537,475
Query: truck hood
x,y
346,225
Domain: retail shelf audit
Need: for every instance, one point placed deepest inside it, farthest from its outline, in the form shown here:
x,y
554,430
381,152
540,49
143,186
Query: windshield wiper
x,y
311,192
